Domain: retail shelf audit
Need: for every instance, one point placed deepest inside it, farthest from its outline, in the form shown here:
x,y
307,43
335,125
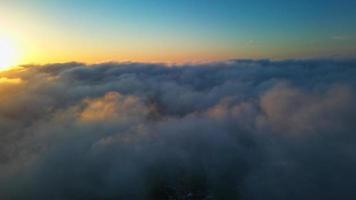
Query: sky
x,y
178,30
177,99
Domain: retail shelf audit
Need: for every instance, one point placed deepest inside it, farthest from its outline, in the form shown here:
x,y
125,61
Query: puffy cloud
x,y
227,130
113,106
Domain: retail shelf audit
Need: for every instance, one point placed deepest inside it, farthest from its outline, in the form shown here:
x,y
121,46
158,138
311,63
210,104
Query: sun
x,y
9,54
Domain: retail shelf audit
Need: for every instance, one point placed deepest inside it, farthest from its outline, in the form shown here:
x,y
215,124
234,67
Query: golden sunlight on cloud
x,y
10,80
111,107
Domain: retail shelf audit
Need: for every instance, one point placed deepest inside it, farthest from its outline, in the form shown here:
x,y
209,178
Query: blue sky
x,y
230,28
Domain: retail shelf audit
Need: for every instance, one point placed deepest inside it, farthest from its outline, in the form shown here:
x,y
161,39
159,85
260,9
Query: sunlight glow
x,y
9,54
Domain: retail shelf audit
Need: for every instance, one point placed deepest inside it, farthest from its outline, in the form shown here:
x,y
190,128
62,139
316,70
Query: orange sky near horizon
x,y
173,32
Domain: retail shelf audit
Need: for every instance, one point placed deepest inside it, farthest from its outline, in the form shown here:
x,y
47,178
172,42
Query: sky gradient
x,y
178,31
177,99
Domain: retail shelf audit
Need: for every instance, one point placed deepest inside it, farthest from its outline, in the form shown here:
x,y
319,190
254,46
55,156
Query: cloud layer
x,y
240,129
